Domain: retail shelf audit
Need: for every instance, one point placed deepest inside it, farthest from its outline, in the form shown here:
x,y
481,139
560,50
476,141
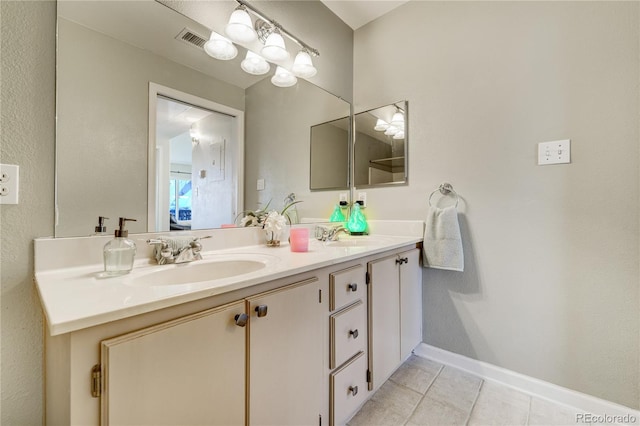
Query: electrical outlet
x,y
344,199
9,180
362,199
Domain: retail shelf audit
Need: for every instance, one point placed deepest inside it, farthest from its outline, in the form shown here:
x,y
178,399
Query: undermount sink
x,y
198,271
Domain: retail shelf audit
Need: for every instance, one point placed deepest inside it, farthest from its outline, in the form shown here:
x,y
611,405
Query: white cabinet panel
x,y
348,333
190,371
410,302
285,355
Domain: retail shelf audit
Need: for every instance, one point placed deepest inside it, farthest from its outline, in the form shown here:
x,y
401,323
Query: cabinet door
x,y
410,302
285,355
190,371
384,319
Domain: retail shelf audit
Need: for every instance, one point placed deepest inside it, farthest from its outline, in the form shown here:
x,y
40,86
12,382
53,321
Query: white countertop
x,y
77,297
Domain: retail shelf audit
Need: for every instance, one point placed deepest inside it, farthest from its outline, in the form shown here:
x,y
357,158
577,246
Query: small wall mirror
x,y
330,155
380,146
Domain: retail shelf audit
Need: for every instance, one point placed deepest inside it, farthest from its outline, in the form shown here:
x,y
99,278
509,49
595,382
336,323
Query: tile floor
x,y
423,392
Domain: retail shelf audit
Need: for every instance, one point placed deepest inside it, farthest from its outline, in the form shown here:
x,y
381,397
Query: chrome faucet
x,y
327,233
165,254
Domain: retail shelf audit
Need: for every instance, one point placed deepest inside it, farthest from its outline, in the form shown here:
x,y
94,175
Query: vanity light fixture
x,y
399,135
220,47
274,48
239,28
283,78
381,125
391,130
303,66
398,119
255,64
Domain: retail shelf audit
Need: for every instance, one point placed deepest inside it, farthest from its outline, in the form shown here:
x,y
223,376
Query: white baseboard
x,y
579,401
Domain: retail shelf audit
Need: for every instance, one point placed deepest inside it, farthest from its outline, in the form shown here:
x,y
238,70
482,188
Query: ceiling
x,y
357,13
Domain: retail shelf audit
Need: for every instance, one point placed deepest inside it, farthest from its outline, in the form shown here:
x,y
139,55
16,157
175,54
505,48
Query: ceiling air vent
x,y
190,37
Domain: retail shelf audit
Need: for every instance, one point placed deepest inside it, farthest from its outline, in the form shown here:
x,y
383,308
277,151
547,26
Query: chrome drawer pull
x,y
353,390
354,333
353,287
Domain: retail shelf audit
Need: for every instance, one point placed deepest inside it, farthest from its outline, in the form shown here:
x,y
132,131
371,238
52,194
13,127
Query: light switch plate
x,y
9,183
260,185
554,152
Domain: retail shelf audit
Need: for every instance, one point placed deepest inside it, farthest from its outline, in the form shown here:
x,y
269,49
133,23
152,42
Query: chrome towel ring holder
x,y
445,189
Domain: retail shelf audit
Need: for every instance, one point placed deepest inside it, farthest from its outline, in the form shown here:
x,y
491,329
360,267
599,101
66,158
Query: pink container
x,y
299,239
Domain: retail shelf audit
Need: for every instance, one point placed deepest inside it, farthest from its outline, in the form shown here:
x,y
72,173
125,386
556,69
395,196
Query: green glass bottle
x,y
337,215
357,223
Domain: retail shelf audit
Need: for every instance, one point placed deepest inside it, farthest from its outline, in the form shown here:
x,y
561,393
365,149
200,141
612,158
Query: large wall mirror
x,y
380,146
108,53
330,155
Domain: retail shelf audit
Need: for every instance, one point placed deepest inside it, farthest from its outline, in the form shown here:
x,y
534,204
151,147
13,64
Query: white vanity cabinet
x,y
190,371
299,349
395,312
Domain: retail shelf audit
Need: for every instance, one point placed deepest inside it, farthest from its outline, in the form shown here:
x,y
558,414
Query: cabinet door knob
x,y
241,319
261,310
405,260
354,333
399,261
353,287
353,390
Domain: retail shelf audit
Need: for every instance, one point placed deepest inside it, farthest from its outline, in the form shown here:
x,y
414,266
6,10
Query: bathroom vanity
x,y
304,339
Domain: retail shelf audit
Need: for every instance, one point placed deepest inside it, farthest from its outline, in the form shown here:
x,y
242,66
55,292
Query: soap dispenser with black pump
x,y
119,252
101,229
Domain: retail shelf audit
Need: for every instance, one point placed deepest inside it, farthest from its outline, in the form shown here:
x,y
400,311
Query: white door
x,y
384,319
285,355
410,302
189,371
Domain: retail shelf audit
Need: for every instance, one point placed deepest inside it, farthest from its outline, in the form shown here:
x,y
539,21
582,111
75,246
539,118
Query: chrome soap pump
x,y
119,252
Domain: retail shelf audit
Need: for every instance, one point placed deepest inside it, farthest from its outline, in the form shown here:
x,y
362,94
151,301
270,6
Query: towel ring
x,y
445,189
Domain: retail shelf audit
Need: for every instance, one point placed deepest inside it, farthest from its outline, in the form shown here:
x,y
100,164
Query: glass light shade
x,y
399,135
220,47
255,64
391,130
381,125
239,28
303,66
397,120
283,78
274,49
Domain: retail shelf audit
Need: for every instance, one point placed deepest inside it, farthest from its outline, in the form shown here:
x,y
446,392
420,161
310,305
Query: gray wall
x,y
550,287
27,94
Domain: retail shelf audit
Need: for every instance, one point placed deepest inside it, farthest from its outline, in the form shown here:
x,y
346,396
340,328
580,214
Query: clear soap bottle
x,y
119,252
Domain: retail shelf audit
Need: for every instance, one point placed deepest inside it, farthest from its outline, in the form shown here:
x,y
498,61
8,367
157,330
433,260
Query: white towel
x,y
442,247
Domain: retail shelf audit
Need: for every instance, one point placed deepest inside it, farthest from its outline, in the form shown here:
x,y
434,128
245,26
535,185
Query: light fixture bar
x,y
264,17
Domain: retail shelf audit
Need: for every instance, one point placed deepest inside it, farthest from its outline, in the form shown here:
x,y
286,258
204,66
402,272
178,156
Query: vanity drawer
x,y
346,287
348,336
348,387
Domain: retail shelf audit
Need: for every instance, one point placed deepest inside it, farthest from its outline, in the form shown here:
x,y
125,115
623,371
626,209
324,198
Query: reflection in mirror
x,y
197,162
108,53
330,155
380,140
